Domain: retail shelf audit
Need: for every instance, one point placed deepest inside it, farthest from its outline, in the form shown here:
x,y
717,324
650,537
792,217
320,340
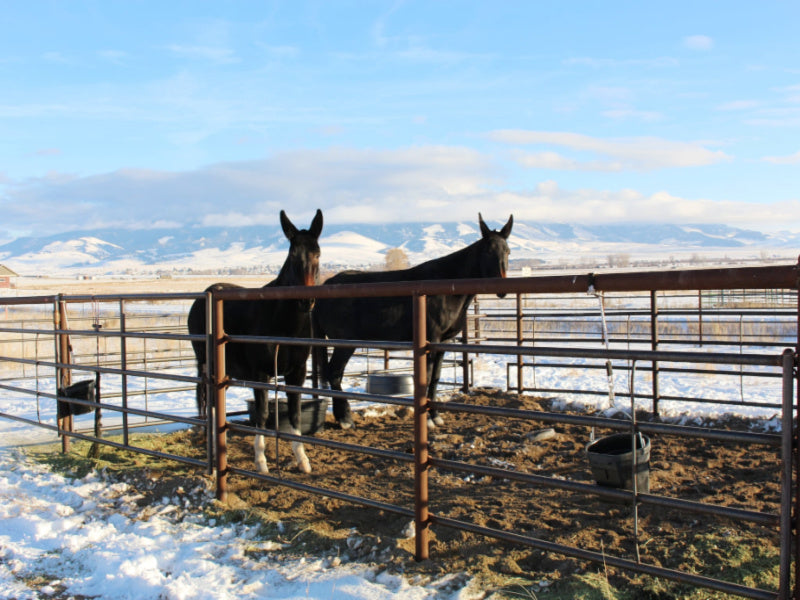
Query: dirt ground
x,y
691,469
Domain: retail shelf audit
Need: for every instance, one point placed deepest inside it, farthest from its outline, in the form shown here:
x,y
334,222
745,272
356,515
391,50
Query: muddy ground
x,y
728,474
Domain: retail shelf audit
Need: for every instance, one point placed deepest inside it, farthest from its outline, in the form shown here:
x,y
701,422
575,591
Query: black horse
x,y
390,319
279,318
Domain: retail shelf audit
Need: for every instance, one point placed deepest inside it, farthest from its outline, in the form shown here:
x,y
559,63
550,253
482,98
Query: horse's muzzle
x,y
502,276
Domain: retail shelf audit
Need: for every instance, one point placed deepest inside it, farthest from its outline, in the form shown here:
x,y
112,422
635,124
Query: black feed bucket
x,y
611,460
312,415
83,390
390,384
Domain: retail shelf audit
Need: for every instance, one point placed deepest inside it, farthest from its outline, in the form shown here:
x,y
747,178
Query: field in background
x,y
34,286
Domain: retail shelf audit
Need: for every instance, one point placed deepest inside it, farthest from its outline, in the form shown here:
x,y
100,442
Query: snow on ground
x,y
89,538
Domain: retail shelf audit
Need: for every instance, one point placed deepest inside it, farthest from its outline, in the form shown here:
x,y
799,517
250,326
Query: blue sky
x,y
156,114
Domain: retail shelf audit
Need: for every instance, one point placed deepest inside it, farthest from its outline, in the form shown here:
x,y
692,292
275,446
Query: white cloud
x,y
427,183
698,42
791,159
639,154
548,202
410,184
559,162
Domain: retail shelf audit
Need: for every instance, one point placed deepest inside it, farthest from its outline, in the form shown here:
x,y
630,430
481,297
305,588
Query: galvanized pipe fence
x,y
218,424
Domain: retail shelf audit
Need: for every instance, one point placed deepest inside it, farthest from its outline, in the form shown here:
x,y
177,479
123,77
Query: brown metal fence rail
x,y
218,423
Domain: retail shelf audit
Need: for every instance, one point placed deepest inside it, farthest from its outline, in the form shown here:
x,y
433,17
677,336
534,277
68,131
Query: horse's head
x,y
494,250
302,263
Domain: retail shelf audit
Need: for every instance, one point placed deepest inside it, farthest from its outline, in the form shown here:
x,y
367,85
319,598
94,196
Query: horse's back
x,y
352,277
362,318
385,318
196,320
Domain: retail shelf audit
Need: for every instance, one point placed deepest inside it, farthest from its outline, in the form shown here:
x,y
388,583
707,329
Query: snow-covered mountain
x,y
257,248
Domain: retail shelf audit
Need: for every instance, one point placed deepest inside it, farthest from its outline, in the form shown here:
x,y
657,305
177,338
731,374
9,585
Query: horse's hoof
x,y
304,466
435,422
346,422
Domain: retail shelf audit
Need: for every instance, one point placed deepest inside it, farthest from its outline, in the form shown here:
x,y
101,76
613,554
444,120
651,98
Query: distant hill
x,y
261,248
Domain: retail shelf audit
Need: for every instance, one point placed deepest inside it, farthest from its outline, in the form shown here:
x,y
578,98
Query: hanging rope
x,y
604,330
609,368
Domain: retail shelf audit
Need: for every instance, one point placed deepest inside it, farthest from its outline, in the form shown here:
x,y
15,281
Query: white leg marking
x,y
300,455
261,459
434,423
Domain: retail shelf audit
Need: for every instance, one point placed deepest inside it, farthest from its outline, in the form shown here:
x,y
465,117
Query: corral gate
x,y
217,422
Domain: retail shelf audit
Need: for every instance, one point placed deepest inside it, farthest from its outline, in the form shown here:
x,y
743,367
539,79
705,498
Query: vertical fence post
x,y
787,470
220,380
63,372
123,363
476,337
520,339
796,445
421,407
206,388
464,355
478,332
700,318
654,346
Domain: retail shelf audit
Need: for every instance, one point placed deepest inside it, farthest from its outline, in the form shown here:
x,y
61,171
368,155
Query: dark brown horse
x,y
279,318
390,319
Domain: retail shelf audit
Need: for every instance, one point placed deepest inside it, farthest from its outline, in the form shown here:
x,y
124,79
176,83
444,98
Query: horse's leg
x,y
293,399
320,366
334,374
434,371
300,457
259,418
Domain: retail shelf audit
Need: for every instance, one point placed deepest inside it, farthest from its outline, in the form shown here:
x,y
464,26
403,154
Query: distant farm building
x,y
5,277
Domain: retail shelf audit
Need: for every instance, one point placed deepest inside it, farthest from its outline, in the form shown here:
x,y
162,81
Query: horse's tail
x,y
196,325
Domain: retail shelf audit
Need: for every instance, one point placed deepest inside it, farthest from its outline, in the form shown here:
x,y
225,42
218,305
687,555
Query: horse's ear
x,y
316,224
485,231
506,230
289,230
